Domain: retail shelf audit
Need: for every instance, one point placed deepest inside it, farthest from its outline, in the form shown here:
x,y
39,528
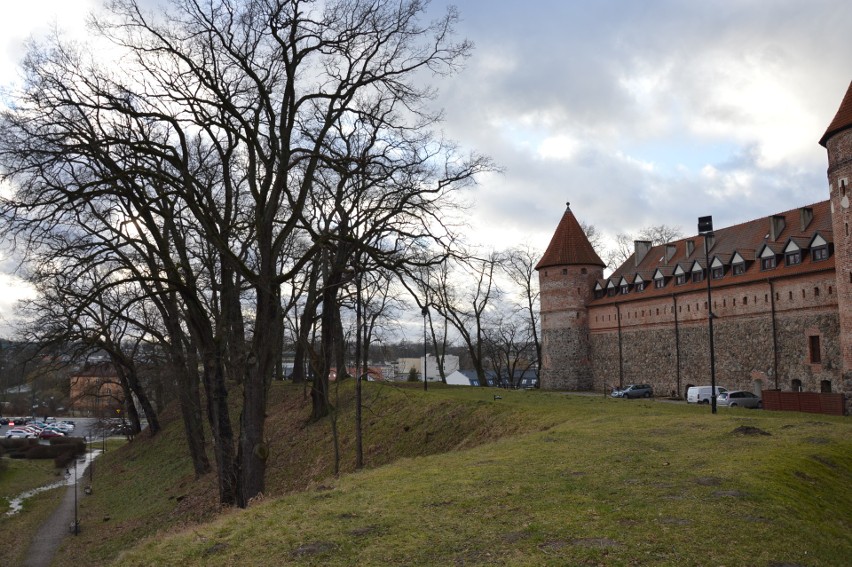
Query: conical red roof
x,y
569,245
843,118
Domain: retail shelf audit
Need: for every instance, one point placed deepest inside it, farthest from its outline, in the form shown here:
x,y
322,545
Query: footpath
x,y
49,536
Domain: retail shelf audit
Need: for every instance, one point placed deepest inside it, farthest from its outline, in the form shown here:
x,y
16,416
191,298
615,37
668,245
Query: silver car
x,y
739,398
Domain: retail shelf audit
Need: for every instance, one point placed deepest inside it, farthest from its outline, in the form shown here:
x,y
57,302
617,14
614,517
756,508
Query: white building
x,y
404,366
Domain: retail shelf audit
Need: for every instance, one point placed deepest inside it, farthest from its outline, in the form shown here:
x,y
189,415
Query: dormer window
x,y
738,269
624,289
768,261
659,283
697,276
680,279
718,272
640,286
819,249
611,289
792,254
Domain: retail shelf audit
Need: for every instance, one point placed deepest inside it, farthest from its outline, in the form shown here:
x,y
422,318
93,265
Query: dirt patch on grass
x,y
314,548
749,430
708,481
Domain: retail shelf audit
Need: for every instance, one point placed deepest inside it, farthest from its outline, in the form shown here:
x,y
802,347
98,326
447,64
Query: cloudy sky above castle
x,y
638,113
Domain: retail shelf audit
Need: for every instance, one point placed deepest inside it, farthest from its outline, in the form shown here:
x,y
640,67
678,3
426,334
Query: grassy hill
x,y
456,477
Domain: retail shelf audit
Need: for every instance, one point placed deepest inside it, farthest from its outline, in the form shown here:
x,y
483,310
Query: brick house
x,y
96,390
781,289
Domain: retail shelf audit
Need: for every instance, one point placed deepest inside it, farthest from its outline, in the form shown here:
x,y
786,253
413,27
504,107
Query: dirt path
x,y
47,539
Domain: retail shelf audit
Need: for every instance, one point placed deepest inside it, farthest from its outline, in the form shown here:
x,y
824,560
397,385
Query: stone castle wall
x,y
839,149
664,341
565,363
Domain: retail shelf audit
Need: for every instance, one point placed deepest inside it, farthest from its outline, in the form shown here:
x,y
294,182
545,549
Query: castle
x,y
780,286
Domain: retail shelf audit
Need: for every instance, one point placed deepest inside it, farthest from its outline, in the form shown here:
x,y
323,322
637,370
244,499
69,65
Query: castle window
x,y
658,310
697,276
564,271
796,385
803,294
825,386
739,268
659,282
813,349
766,298
680,279
793,258
745,300
583,270
640,286
829,290
611,292
624,289
767,263
819,254
599,293
718,272
791,296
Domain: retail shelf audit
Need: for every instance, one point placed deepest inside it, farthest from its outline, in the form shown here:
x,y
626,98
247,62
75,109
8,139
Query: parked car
x,y
633,391
701,394
739,398
50,433
16,433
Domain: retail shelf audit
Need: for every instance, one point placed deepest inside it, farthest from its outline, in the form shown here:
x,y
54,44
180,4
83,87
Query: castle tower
x,y
567,274
838,141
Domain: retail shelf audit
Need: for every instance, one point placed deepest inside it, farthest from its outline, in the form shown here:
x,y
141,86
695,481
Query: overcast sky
x,y
637,112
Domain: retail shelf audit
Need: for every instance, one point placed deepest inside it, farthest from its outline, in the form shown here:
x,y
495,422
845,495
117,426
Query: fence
x,y
810,402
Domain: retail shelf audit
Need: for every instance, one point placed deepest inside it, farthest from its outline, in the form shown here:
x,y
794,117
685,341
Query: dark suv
x,y
634,391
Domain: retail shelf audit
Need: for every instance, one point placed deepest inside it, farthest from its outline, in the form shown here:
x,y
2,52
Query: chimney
x,y
690,248
671,249
776,226
806,214
641,249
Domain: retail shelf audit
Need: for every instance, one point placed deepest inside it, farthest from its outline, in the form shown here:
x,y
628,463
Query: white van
x,y
701,394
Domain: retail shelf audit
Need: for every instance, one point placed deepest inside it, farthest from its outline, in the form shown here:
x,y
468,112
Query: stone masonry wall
x,y
664,342
566,364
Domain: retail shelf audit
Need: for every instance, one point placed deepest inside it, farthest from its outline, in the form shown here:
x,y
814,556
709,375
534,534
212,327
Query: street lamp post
x,y
705,228
425,312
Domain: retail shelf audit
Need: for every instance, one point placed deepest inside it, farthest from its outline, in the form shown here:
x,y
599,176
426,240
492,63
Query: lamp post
x,y
425,312
705,228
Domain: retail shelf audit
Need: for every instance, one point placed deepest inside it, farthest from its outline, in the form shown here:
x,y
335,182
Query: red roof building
x,y
780,299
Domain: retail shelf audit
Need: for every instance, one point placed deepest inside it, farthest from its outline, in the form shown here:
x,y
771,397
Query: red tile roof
x,y
746,238
569,245
842,120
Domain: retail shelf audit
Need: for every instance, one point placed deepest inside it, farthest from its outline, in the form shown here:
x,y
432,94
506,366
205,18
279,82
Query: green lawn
x,y
532,479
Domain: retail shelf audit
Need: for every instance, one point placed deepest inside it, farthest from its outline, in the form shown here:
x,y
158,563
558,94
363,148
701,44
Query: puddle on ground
x,y
16,504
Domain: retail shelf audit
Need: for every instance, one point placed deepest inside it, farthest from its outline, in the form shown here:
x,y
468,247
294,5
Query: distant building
x,y
781,300
404,366
96,390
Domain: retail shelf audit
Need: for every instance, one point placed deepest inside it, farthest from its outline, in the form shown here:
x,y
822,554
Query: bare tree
x,y
519,265
623,247
466,307
228,134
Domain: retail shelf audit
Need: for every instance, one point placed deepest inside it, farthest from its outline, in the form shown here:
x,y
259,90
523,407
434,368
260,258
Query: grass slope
x,y
532,479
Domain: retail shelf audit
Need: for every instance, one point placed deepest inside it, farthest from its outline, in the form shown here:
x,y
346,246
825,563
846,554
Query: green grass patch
x,y
456,477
